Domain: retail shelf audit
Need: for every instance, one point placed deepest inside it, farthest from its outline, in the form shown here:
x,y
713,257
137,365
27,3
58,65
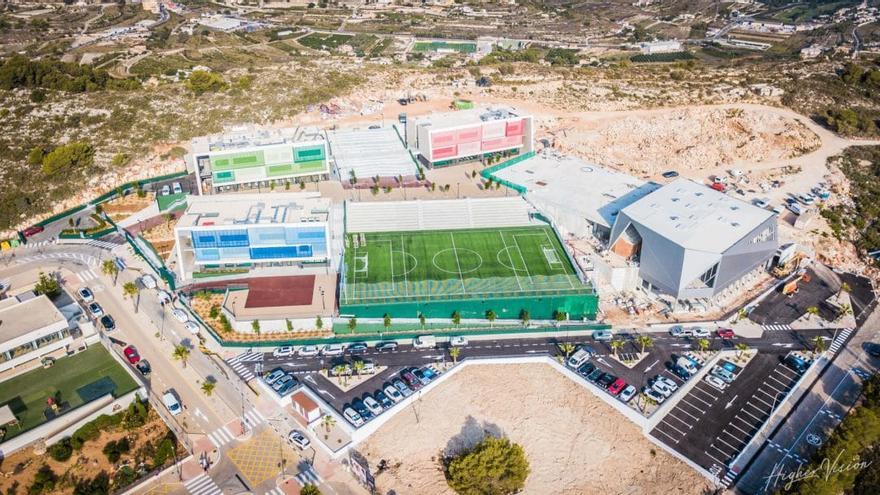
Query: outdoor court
x,y
470,262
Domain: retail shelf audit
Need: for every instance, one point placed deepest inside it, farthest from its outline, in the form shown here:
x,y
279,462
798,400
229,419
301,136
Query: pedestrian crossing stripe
x,y
202,485
253,417
840,339
275,491
777,328
245,373
309,477
221,436
248,357
86,275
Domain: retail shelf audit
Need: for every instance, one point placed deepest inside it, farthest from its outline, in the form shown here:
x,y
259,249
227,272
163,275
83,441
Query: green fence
x,y
488,173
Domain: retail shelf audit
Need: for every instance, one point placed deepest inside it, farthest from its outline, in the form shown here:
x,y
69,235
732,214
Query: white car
x,y
661,388
333,350
163,297
353,417
148,281
95,309
700,332
86,294
172,404
627,393
373,406
457,341
296,437
283,351
668,382
179,315
761,202
308,350
192,326
716,382
393,393
577,359
653,394
3,285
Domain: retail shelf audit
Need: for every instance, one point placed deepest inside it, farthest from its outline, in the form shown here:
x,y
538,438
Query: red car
x,y
726,333
36,229
616,387
131,354
718,187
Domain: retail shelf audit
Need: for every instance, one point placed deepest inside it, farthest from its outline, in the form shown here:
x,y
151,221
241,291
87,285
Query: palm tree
x,y
844,287
208,387
740,349
328,422
339,370
456,318
490,315
818,345
742,314
352,324
703,344
319,323
566,348
616,345
453,353
181,353
422,320
811,311
845,310
130,289
525,317
644,341
358,367
648,401
108,267
386,321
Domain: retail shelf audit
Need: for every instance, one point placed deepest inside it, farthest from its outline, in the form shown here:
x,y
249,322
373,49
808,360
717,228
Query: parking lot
x,y
711,426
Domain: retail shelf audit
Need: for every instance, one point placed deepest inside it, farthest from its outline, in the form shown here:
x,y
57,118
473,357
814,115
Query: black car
x,y
595,375
680,372
586,369
795,363
386,346
669,174
357,348
361,409
383,399
606,380
108,323
873,349
144,367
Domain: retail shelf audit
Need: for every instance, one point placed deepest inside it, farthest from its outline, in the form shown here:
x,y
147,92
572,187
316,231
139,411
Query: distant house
x,y
660,47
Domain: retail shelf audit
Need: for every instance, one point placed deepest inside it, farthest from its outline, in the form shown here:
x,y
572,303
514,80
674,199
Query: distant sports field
x,y
433,46
435,264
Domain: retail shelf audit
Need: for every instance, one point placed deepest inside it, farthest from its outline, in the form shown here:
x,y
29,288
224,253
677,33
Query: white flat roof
x,y
17,320
246,210
370,152
568,182
466,117
696,216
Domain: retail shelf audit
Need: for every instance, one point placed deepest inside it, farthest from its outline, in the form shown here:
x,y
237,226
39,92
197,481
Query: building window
x,y
764,236
708,277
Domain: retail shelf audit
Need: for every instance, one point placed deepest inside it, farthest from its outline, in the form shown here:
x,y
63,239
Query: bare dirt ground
x,y
575,443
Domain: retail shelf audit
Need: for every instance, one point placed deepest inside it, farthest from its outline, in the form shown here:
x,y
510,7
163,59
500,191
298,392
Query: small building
x,y
307,409
30,328
671,46
812,51
362,154
443,139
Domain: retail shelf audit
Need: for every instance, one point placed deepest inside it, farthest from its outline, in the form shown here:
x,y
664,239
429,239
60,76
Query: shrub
x,y
73,155
215,311
44,481
495,466
201,81
61,450
124,477
164,452
99,485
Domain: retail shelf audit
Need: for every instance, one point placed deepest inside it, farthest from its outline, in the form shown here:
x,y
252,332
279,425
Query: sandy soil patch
x,y
575,443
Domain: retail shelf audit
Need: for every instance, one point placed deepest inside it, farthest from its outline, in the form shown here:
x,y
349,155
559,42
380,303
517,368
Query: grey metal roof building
x,y
692,241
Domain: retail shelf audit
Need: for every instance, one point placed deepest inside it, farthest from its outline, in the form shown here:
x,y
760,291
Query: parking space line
x,y
755,396
784,385
697,388
726,454
686,403
782,370
685,412
735,438
719,461
674,428
768,394
761,411
740,429
743,409
719,439
658,430
699,399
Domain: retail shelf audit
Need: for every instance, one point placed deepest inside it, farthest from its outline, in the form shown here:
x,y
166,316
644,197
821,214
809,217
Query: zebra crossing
x,y
202,485
776,328
275,491
37,244
86,275
84,258
237,364
309,477
728,478
103,244
253,417
839,340
221,436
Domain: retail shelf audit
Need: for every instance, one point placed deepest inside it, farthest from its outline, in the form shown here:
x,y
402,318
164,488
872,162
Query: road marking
x,y
658,430
202,485
730,402
651,365
309,476
221,436
674,428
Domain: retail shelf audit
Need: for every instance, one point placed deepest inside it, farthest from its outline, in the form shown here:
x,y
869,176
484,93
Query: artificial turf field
x,y
473,262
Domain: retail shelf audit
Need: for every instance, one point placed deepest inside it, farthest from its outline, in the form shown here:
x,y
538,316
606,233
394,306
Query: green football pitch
x,y
438,264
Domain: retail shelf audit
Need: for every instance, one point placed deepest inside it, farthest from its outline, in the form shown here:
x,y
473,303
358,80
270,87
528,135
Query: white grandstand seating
x,y
476,213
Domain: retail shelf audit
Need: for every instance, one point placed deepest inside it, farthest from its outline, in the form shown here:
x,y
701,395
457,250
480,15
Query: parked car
x,y
602,335
700,332
108,323
411,380
872,349
281,382
661,388
171,403
386,346
288,387
617,386
578,358
668,382
586,369
95,309
179,315
761,202
383,399
654,395
796,363
176,188
297,438
131,354
606,380
362,409
148,281
795,208
333,350
595,375
627,393
165,191
680,331
353,417
373,405
308,350
283,351
192,326
715,382
723,374
357,348
163,297
457,341
725,333
393,393
807,199
425,342
422,375
86,294
144,367
669,174
274,376
402,388
680,372
369,367
31,231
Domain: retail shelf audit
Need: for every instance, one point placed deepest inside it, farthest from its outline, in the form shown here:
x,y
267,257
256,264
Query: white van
x,y
148,281
163,297
425,342
171,403
176,188
578,358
